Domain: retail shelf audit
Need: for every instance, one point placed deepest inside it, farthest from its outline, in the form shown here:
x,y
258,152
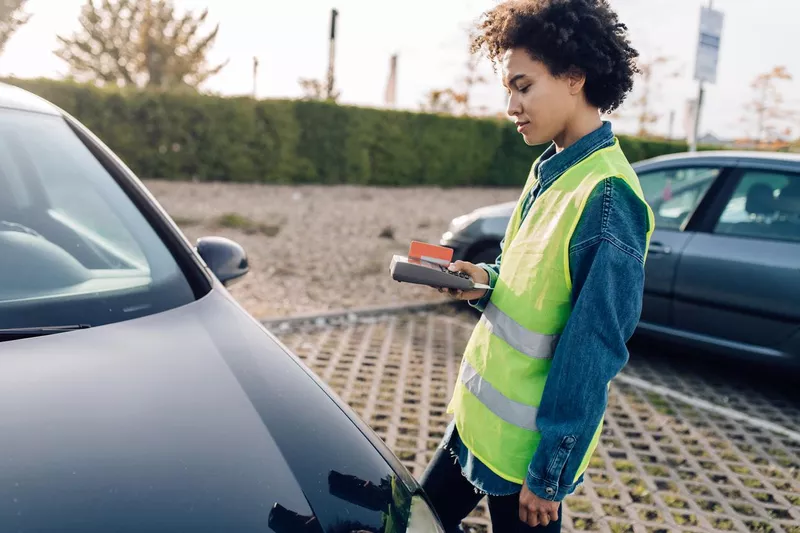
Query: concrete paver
x,y
662,465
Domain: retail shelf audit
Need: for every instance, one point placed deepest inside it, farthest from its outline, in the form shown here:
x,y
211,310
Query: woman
x,y
532,390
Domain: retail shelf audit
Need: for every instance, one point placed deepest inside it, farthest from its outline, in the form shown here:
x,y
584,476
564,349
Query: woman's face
x,y
540,103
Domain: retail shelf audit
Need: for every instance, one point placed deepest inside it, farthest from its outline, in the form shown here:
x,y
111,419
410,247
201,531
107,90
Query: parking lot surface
x,y
689,444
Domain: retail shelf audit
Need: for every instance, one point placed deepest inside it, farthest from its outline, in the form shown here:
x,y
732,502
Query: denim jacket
x,y
606,257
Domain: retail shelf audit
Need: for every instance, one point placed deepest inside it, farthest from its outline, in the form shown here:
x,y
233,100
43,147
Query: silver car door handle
x,y
660,248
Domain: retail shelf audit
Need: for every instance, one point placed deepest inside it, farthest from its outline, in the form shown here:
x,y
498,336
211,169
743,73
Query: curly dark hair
x,y
566,35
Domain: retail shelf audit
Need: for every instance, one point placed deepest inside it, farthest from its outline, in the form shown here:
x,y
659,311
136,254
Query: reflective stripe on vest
x,y
530,343
519,414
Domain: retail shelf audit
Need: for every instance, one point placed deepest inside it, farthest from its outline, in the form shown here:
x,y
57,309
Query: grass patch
x,y
608,493
743,508
580,506
624,466
685,519
616,511
739,469
650,515
585,524
656,470
246,225
753,483
699,490
780,514
186,221
771,472
710,506
597,462
761,527
620,527
723,524
764,497
641,495
600,478
674,501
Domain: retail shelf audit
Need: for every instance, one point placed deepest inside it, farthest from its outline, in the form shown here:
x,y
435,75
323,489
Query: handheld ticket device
x,y
426,264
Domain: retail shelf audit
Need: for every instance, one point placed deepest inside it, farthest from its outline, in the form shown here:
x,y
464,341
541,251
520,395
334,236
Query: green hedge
x,y
193,136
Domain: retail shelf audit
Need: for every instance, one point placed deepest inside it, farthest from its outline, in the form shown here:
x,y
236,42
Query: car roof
x,y
726,156
12,97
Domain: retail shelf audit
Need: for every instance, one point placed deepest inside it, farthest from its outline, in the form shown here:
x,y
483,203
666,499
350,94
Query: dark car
x,y
723,270
135,393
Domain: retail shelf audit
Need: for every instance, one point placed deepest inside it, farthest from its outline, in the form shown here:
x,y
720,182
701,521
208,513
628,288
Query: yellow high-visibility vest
x,y
508,357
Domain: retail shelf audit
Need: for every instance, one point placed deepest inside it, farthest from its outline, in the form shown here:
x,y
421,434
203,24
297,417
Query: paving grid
x,y
662,465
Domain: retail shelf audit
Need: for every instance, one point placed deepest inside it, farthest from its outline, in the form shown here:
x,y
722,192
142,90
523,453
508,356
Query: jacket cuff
x,y
549,490
546,482
481,304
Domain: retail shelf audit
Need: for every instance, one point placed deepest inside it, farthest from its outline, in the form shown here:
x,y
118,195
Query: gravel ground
x,y
316,248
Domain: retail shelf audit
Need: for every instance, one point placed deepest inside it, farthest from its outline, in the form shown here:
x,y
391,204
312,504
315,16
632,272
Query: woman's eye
x,y
525,89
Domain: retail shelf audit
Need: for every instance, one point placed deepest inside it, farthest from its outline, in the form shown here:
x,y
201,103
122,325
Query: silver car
x,y
723,270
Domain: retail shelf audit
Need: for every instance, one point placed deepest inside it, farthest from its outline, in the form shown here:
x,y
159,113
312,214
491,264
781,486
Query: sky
x,y
290,39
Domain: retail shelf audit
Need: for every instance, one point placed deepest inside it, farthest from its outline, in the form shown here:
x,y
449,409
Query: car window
x,y
765,205
675,193
76,249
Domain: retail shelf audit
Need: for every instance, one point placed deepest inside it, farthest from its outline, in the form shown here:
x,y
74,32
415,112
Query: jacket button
x,y
570,440
550,491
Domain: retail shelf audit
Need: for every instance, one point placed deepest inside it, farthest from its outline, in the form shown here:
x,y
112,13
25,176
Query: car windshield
x,y
74,248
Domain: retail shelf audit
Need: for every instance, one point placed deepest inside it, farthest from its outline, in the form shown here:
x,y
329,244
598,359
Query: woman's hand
x,y
477,274
535,511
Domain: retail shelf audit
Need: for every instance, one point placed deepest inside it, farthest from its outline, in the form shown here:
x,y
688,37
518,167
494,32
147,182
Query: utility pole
x,y
332,56
671,123
390,98
255,77
707,56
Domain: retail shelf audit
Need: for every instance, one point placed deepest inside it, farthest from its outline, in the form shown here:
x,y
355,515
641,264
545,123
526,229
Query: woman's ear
x,y
576,80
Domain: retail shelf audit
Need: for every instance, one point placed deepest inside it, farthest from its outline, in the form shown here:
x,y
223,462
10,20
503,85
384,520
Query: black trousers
x,y
454,497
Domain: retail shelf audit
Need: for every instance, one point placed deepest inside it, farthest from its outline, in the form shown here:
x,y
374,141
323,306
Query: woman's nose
x,y
514,108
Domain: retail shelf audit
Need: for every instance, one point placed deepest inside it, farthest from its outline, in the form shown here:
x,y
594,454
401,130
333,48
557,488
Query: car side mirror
x,y
226,258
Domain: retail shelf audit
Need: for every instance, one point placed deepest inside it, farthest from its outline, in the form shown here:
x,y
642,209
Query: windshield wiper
x,y
12,334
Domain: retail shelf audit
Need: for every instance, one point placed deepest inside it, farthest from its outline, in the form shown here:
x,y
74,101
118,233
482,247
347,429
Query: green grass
x,y
743,508
185,222
674,501
580,506
723,524
685,519
246,225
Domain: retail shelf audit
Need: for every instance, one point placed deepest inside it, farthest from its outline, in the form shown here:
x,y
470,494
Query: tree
x,y
11,18
141,43
642,107
457,100
767,110
317,90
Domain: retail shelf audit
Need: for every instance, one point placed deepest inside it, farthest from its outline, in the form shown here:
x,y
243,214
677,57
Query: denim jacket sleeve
x,y
494,272
606,257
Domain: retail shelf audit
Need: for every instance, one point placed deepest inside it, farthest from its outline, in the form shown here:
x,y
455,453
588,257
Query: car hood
x,y
195,419
497,210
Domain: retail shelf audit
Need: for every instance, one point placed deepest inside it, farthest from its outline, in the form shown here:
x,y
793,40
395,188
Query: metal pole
x,y
671,123
698,108
255,77
332,56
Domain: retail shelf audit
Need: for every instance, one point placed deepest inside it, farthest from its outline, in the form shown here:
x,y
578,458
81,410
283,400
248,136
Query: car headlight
x,y
460,223
422,518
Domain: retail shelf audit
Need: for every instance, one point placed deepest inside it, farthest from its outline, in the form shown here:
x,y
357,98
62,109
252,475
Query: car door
x,y
674,193
738,281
